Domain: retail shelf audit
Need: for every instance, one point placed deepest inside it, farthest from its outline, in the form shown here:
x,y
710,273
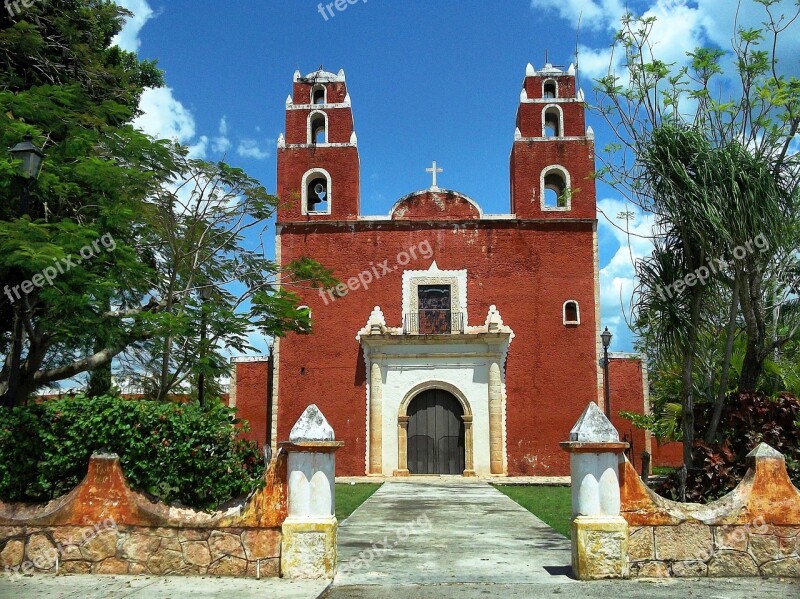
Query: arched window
x,y
550,89
572,313
316,192
556,189
304,328
552,122
317,128
318,93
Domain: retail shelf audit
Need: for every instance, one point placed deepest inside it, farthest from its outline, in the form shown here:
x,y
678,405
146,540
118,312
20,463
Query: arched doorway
x,y
435,433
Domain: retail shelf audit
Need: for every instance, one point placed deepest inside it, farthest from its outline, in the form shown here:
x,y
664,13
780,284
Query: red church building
x,y
458,342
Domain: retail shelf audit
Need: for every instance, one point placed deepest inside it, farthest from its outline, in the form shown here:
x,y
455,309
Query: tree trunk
x,y
730,337
753,312
687,384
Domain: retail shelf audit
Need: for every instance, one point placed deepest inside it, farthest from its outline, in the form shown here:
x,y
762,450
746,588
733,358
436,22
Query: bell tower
x,y
552,159
318,162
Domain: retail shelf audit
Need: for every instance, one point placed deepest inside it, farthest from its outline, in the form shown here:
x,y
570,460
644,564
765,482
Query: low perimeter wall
x,y
104,527
286,528
621,528
752,531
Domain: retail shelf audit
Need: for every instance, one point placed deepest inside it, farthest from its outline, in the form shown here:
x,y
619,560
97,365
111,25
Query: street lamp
x,y
606,337
205,295
31,159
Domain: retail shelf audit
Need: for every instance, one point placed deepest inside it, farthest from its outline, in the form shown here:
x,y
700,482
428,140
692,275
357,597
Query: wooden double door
x,y
435,434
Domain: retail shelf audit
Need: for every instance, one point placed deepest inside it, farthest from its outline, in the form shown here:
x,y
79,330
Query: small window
x,y
317,195
555,190
550,89
317,127
318,94
572,313
552,122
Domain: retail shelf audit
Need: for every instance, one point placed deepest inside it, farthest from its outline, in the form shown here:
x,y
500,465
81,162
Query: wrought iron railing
x,y
433,322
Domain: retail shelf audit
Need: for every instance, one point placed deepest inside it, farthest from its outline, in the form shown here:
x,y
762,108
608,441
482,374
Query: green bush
x,y
179,453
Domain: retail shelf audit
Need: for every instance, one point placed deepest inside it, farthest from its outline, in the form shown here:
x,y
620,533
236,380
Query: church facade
x,y
458,342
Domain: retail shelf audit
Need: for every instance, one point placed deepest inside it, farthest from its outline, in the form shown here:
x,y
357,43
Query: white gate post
x,y
599,532
308,544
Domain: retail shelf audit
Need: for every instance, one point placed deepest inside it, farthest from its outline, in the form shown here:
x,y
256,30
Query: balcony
x,y
433,321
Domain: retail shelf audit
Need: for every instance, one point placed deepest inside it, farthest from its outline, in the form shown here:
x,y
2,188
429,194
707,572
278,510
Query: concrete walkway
x,y
155,587
447,531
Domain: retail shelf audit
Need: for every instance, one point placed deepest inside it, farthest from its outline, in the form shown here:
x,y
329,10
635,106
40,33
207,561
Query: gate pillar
x,y
599,532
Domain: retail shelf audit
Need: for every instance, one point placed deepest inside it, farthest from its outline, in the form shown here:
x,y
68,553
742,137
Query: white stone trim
x,y
304,191
540,139
577,310
308,146
334,106
560,129
457,279
310,118
567,188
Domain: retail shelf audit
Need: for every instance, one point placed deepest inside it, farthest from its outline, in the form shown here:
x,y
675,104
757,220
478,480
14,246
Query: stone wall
x,y
752,531
104,527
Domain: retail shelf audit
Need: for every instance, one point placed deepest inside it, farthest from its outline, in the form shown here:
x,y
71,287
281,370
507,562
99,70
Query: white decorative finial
x,y
523,95
289,100
347,99
434,170
530,71
581,97
590,132
310,427
297,76
377,322
281,141
354,138
517,134
571,69
341,74
493,320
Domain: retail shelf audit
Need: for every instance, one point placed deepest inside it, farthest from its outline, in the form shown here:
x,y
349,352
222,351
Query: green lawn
x,y
349,497
552,505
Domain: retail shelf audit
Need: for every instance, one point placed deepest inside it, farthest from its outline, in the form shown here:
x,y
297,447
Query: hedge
x,y
179,453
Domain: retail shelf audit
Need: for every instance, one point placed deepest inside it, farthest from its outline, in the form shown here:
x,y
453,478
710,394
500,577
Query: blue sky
x,y
429,80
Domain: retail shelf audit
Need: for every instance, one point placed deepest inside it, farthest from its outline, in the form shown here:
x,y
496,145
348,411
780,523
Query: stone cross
x,y
434,170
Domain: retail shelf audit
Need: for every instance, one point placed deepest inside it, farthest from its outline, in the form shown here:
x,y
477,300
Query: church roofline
x,y
440,191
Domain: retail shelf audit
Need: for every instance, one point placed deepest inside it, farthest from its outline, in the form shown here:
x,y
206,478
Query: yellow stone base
x,y
599,547
308,548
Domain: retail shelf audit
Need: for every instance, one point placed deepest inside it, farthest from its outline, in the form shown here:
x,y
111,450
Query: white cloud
x,y
617,277
596,14
222,143
128,38
248,148
164,116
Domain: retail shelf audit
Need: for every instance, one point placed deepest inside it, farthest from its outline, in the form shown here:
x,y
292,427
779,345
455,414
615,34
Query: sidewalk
x,y
42,586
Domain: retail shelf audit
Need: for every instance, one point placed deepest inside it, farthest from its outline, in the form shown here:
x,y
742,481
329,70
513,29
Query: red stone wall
x,y
627,395
528,269
252,398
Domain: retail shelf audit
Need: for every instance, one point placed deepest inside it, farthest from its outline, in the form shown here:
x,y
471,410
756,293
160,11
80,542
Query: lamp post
x,y
31,159
606,337
205,295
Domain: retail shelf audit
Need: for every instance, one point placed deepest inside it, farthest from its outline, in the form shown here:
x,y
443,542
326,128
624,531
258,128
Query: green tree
x,y
718,174
63,82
